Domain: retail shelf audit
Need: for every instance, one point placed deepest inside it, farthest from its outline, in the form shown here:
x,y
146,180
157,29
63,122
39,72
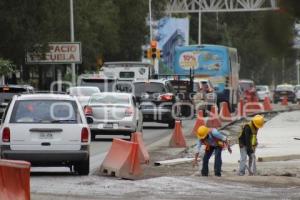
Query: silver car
x,y
83,93
111,113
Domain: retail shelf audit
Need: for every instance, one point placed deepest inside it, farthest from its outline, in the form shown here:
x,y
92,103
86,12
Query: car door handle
x,y
45,130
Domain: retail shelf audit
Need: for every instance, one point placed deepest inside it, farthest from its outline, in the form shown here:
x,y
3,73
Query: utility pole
x,y
199,26
72,40
150,20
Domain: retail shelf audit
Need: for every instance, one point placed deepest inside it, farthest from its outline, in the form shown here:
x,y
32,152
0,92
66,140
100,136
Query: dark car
x,y
285,90
8,91
156,98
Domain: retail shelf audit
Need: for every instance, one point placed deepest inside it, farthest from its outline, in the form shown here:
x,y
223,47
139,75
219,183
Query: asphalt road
x,y
152,132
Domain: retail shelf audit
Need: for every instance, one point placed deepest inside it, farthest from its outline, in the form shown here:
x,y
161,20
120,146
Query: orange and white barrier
x,y
14,180
122,160
144,157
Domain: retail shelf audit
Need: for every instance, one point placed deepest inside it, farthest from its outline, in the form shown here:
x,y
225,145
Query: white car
x,y
83,93
297,92
111,113
46,130
263,91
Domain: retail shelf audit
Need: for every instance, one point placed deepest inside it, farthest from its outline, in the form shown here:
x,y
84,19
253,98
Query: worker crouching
x,y
214,142
248,143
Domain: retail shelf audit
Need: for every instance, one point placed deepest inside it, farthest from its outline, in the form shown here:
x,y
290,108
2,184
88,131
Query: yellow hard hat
x,y
202,132
258,121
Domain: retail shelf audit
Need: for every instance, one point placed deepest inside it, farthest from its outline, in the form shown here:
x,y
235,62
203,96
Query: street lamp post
x,y
72,40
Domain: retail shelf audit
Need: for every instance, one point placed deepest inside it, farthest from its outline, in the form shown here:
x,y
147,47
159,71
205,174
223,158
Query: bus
x,y
219,64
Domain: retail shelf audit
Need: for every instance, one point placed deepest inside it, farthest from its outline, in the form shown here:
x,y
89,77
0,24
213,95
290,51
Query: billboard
x,y
58,53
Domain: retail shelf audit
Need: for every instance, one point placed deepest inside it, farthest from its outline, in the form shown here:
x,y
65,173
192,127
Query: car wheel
x,y
83,167
171,124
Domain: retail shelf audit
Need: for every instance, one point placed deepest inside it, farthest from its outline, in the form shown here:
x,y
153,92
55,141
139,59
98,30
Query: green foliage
x,y
6,66
112,28
263,40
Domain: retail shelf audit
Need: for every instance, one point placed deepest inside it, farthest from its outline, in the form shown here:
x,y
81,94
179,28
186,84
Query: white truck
x,y
128,71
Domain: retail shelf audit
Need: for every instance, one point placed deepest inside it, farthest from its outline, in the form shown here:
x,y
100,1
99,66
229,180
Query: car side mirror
x,y
89,120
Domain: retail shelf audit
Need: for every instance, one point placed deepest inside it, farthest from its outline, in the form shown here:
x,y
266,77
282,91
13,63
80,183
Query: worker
x,y
248,144
214,142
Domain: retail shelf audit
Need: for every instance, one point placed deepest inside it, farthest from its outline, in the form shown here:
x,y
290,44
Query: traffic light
x,y
147,53
153,45
159,54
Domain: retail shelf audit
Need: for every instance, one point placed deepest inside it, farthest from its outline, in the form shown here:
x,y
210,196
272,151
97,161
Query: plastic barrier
x,y
144,157
284,101
199,122
213,120
122,160
225,113
14,180
177,139
267,104
253,107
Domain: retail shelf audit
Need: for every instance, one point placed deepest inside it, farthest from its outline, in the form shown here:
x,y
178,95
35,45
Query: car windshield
x,y
83,91
284,88
150,88
109,99
45,111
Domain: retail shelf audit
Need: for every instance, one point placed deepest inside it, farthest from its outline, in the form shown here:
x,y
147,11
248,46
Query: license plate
x,y
108,126
46,135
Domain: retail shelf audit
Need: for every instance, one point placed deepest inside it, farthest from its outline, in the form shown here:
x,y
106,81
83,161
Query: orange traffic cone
x,y
225,113
267,104
213,120
240,110
177,139
284,101
199,122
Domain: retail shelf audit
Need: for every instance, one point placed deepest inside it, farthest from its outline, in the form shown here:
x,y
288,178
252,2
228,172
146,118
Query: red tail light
x,y
129,112
88,110
6,135
84,135
166,97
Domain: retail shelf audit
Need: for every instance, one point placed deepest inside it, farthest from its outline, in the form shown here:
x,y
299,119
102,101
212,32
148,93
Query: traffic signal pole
x,y
150,20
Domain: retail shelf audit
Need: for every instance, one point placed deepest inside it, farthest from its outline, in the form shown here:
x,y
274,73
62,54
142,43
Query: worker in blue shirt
x,y
214,142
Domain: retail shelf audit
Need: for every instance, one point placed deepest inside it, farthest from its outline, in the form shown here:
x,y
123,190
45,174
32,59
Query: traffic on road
x,y
149,99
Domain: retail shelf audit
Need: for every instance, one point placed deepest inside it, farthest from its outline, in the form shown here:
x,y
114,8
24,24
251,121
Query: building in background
x,y
171,32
